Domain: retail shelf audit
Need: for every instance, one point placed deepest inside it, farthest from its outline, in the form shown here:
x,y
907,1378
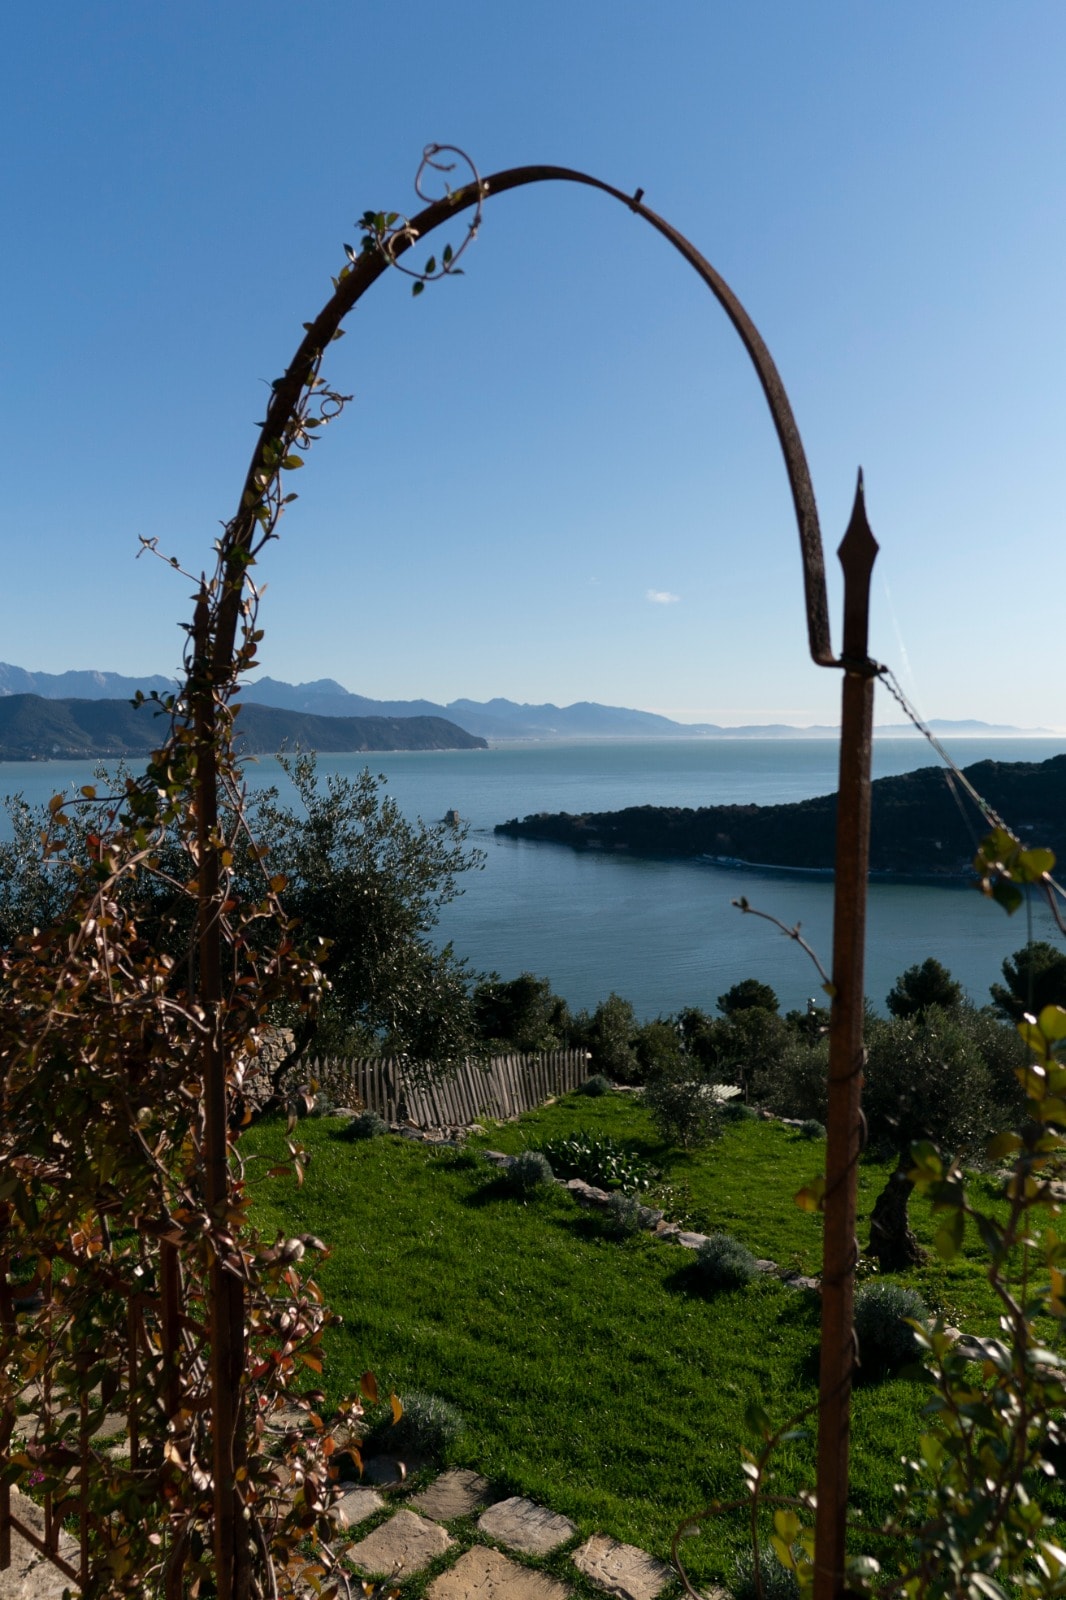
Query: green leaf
x,y
1036,863
757,1421
1052,1022
416,288
949,1236
787,1525
1007,895
783,1552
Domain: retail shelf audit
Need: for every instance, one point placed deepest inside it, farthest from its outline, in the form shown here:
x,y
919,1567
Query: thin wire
x,y
949,779
955,774
891,683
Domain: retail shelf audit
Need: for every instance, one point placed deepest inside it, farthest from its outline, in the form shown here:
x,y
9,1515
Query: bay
x,y
662,933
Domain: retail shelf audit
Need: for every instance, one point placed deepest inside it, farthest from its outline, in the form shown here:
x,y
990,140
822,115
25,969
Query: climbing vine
x,y
113,1247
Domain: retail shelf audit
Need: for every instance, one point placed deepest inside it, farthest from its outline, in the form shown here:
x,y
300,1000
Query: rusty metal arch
x,y
209,685
215,636
371,265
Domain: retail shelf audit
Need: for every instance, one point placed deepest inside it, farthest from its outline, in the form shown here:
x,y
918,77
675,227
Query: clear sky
x,y
557,479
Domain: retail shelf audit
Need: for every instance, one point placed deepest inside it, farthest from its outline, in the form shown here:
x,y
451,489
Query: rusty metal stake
x,y
846,1058
7,1417
226,1312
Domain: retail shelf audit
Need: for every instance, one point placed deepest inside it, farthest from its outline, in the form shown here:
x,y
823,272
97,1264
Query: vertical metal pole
x,y
857,554
226,1314
7,1419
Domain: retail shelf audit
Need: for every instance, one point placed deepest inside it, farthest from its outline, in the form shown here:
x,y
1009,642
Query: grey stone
x,y
30,1576
621,1569
488,1575
763,1265
355,1505
402,1546
525,1526
691,1241
453,1494
801,1282
497,1158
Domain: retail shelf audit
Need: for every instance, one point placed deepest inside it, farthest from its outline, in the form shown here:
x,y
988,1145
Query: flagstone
x,y
355,1505
453,1494
621,1569
400,1547
525,1526
30,1576
489,1575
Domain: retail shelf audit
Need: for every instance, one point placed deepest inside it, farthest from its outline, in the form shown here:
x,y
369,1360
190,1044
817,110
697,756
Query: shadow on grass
x,y
501,1189
690,1280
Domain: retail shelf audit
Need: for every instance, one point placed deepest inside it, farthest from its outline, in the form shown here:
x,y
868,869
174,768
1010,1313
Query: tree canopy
x,y
371,883
926,984
355,873
1035,977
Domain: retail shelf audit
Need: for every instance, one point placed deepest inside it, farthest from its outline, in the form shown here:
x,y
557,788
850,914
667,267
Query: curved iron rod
x,y
213,671
368,267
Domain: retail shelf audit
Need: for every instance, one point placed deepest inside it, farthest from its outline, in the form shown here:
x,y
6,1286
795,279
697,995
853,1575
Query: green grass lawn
x,y
592,1375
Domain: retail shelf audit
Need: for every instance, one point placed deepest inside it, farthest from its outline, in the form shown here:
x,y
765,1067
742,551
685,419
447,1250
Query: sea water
x,y
663,933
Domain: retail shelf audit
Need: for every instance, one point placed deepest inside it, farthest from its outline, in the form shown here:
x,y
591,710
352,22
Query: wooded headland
x,y
923,824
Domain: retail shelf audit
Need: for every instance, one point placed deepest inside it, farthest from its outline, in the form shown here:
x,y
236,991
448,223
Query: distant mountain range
x,y
35,729
496,719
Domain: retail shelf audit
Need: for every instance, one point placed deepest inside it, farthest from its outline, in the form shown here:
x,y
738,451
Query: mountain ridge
x,y
34,728
498,718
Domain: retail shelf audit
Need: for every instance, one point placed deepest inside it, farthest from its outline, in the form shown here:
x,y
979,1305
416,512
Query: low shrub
x,y
886,1343
812,1128
624,1216
426,1432
529,1171
792,1080
724,1263
599,1160
686,1111
778,1582
737,1111
367,1125
596,1085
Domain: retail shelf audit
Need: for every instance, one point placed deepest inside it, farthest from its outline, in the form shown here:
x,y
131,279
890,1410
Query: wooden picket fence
x,y
501,1087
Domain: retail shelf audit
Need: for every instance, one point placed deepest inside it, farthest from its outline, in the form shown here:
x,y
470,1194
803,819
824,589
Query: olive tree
x,y
361,876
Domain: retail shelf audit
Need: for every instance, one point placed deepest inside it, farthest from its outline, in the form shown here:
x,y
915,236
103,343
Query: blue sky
x,y
557,479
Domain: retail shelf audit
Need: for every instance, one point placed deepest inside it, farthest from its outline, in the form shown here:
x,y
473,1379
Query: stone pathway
x,y
415,1535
